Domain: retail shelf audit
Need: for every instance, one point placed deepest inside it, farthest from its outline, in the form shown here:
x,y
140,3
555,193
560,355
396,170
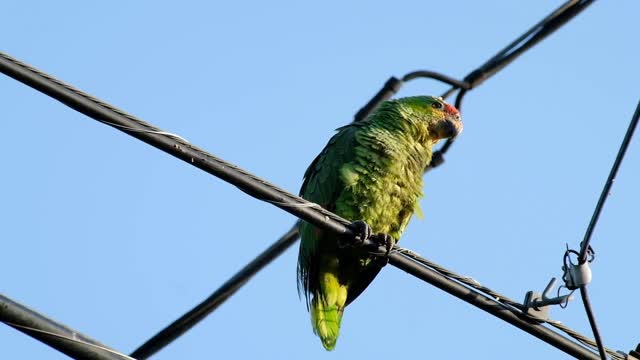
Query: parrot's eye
x,y
437,105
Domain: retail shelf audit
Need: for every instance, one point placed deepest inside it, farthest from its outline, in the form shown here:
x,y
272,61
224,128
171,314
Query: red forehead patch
x,y
450,109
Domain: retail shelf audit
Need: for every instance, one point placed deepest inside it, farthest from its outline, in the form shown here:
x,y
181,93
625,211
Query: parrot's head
x,y
439,118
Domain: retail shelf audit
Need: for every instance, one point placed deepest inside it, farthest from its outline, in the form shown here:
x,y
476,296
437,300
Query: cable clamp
x,y
576,275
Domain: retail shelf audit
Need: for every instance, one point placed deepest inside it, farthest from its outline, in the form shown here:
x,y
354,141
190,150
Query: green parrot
x,y
370,172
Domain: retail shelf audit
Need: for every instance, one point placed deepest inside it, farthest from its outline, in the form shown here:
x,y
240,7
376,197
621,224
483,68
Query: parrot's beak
x,y
449,127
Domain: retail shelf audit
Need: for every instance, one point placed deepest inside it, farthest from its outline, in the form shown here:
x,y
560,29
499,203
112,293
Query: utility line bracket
x,y
537,305
634,354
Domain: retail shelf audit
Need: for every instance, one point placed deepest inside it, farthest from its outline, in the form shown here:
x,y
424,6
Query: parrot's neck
x,y
406,129
406,122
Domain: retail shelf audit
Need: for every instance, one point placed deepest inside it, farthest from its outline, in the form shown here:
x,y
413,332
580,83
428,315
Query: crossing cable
x,y
54,334
507,55
585,244
195,315
185,322
608,184
526,41
499,61
260,189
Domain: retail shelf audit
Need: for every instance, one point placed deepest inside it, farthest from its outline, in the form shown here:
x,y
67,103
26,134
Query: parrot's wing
x,y
322,180
322,185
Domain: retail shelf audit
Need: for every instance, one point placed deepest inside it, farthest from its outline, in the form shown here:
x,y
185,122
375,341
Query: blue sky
x,y
117,239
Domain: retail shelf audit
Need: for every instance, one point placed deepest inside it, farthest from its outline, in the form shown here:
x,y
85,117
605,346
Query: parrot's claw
x,y
362,233
388,242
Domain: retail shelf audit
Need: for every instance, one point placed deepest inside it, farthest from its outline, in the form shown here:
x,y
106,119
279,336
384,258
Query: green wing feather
x,y
322,185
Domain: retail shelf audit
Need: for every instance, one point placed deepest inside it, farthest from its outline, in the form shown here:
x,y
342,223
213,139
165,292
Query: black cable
x,y
265,191
58,336
491,306
391,87
198,313
426,74
530,38
607,186
171,144
585,247
504,300
592,322
504,57
230,287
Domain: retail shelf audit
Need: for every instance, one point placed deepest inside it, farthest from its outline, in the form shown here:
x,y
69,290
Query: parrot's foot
x,y
388,242
362,233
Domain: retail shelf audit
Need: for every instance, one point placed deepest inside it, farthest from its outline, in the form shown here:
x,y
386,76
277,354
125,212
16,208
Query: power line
x,y
607,185
585,244
511,304
592,322
191,318
508,54
476,77
499,61
54,334
261,189
170,143
491,306
253,185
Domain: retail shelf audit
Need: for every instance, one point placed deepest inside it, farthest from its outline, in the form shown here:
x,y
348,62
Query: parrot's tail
x,y
326,319
327,308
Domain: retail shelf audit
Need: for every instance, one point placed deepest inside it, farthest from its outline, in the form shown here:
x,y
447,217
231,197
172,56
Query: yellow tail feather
x,y
326,322
327,308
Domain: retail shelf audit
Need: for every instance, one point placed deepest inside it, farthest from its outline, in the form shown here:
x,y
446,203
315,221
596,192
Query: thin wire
x,y
79,341
290,205
148,131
